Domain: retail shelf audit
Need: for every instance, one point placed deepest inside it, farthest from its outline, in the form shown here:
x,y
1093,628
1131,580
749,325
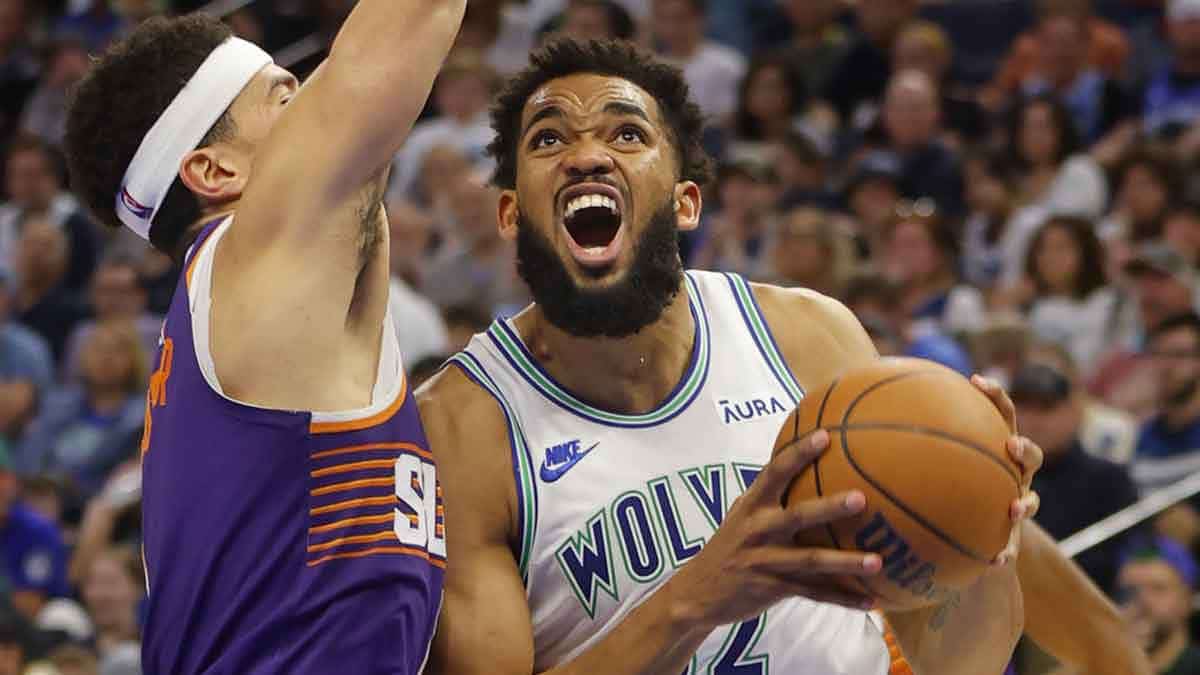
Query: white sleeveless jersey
x,y
612,505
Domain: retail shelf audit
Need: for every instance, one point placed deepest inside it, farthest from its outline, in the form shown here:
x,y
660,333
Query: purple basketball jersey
x,y
275,544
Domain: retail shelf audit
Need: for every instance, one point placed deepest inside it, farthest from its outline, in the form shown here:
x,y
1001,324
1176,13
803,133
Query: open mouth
x,y
592,219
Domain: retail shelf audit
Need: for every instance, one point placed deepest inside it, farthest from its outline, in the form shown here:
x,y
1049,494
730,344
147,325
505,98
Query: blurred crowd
x,y
1003,186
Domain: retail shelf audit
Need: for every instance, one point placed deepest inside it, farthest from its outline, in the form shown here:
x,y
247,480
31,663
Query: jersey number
x,y
734,657
156,394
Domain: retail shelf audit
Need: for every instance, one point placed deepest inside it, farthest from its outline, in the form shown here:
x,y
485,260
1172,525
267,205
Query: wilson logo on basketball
x,y
900,564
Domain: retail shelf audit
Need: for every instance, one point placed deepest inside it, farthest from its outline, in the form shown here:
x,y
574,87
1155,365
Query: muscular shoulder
x,y
817,335
468,435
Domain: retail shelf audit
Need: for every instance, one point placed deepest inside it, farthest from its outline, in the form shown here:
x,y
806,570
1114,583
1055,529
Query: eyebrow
x,y
613,108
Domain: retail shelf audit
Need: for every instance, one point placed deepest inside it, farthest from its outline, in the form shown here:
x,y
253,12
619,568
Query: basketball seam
x,y
915,429
862,584
921,520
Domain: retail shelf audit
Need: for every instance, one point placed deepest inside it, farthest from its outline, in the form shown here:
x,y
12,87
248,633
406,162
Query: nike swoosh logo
x,y
550,474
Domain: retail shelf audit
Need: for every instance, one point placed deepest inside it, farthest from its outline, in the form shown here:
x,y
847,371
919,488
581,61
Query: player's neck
x,y
630,375
1184,415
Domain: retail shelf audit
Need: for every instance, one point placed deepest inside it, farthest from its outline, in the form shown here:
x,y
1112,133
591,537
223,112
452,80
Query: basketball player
x,y
290,501
593,449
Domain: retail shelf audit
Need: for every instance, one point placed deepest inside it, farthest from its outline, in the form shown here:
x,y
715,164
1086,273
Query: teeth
x,y
594,250
589,202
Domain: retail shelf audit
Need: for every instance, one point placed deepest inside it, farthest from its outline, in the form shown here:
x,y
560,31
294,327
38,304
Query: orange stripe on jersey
x,y
364,520
403,550
356,539
351,484
899,665
351,503
353,466
415,449
192,263
366,422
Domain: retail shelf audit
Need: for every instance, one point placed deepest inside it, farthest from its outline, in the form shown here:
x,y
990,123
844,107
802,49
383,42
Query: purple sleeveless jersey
x,y
275,544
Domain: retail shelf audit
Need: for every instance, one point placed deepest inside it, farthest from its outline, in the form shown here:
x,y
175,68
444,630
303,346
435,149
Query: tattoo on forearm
x,y
938,620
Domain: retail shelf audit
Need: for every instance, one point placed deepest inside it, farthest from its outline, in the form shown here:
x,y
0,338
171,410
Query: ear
x,y
507,214
688,204
214,175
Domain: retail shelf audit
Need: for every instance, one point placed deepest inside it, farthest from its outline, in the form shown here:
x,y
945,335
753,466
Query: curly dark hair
x,y
1091,275
561,58
116,103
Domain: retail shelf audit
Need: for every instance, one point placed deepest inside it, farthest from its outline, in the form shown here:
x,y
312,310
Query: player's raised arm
x,y
341,129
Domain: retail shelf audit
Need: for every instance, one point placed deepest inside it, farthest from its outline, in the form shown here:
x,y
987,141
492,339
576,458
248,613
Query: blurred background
x,y
1005,186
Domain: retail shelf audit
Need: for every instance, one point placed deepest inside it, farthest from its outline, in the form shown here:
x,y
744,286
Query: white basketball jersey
x,y
611,505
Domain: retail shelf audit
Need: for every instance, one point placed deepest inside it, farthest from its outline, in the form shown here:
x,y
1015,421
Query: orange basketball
x,y
928,450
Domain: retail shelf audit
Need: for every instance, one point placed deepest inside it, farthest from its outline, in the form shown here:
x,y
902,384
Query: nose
x,y
589,158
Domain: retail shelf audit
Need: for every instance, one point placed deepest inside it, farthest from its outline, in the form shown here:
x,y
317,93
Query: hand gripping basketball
x,y
1027,455
752,562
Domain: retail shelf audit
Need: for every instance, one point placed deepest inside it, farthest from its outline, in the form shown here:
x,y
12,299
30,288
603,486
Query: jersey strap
x,y
761,332
522,460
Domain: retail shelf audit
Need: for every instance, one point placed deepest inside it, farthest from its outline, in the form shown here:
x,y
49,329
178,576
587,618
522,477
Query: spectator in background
x,y
925,47
1072,303
808,249
592,20
112,588
818,42
921,257
116,294
26,371
1181,230
94,22
876,301
19,67
803,172
1086,488
83,431
419,326
734,236
1156,586
1162,285
1052,175
712,70
1105,432
912,119
45,114
872,195
1168,447
12,647
1165,284
772,104
1104,46
857,83
987,233
1096,102
34,558
462,92
43,300
1146,184
159,275
1171,99
475,265
34,183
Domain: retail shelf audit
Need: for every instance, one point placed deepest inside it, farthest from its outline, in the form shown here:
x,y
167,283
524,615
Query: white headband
x,y
181,127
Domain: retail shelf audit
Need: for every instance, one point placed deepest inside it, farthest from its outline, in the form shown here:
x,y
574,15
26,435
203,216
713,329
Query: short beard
x,y
1181,396
618,310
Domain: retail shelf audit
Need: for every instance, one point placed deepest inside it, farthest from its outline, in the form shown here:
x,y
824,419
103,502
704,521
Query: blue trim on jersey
x,y
785,377
702,334
516,439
